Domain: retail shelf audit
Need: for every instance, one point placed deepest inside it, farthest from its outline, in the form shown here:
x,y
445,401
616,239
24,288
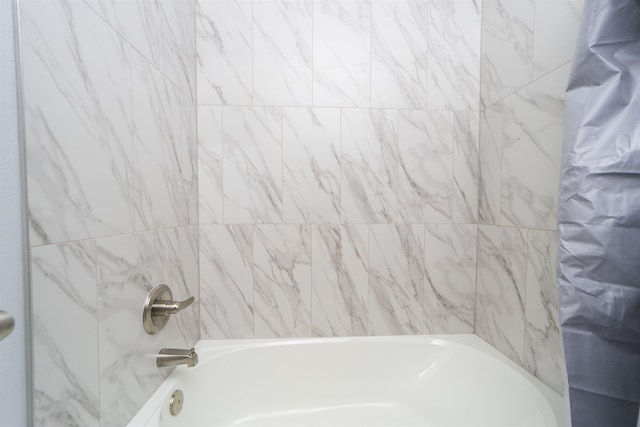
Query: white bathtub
x,y
448,380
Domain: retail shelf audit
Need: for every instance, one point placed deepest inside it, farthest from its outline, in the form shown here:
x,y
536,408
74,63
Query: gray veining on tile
x,y
78,123
226,281
490,165
542,340
65,343
311,145
252,156
465,167
128,267
342,53
454,80
164,151
340,279
282,280
396,279
502,263
282,33
210,191
369,166
399,53
450,278
425,169
224,41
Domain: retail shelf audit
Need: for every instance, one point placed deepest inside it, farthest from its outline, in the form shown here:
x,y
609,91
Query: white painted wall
x,y
13,382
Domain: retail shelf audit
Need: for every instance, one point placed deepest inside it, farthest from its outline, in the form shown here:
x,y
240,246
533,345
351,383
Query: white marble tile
x,y
454,54
396,279
226,281
531,154
311,153
369,166
339,268
77,81
181,273
502,264
507,47
282,280
210,195
177,44
165,151
490,165
138,21
282,32
65,341
555,33
128,268
224,44
425,169
252,156
450,278
542,341
466,136
342,53
399,53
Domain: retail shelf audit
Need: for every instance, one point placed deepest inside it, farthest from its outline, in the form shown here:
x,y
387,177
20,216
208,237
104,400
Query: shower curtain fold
x,y
599,218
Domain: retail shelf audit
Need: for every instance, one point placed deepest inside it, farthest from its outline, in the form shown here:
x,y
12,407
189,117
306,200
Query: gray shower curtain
x,y
599,218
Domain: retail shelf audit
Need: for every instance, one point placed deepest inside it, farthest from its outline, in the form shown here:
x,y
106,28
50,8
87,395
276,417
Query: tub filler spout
x,y
174,357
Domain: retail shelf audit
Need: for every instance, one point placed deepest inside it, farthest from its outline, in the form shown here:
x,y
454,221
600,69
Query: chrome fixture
x,y
6,324
159,306
175,404
175,356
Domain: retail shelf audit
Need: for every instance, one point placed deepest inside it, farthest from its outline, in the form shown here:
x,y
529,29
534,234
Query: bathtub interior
x,y
381,381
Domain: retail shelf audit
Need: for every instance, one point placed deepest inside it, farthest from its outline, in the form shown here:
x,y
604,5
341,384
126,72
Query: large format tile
x,y
252,156
396,279
181,252
555,34
542,341
507,47
226,281
369,166
65,341
128,268
282,280
311,153
502,270
164,151
425,168
465,167
225,57
340,279
138,21
531,153
454,79
282,31
77,79
342,53
399,54
210,192
177,44
450,278
490,165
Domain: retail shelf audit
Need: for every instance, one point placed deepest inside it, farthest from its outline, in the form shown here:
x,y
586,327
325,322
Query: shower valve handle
x,y
159,306
171,307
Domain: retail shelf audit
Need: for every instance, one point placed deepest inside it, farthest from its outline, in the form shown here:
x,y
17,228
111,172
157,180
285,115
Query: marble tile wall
x,y
338,166
113,210
527,46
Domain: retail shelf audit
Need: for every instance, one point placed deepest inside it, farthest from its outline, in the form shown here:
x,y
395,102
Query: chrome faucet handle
x,y
159,306
171,307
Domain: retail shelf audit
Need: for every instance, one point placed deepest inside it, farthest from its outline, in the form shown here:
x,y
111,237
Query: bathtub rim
x,y
149,414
